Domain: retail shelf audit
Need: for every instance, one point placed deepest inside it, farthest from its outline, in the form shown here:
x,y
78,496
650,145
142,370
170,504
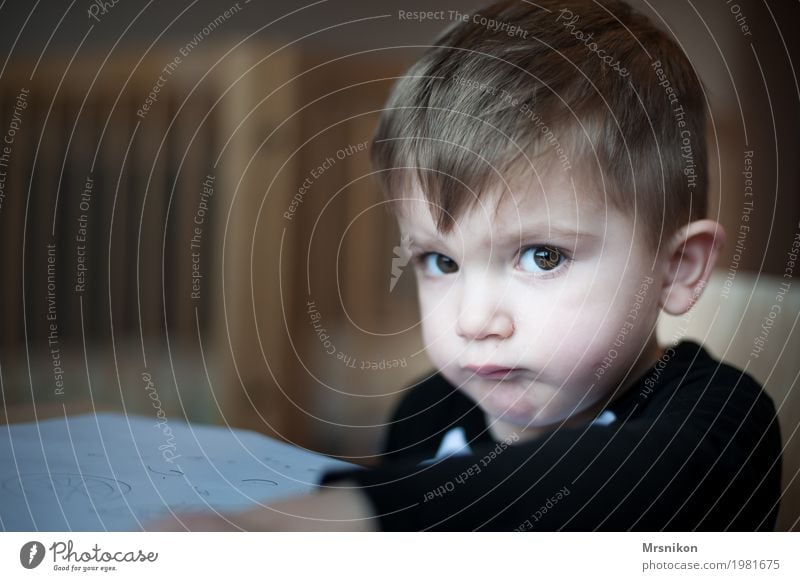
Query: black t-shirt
x,y
694,445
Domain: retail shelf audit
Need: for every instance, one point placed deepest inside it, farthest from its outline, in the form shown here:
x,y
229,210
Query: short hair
x,y
593,85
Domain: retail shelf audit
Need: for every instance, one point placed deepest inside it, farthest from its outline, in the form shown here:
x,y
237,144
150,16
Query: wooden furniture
x,y
144,232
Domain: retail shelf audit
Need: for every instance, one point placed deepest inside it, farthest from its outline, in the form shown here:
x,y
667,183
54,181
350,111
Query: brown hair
x,y
594,86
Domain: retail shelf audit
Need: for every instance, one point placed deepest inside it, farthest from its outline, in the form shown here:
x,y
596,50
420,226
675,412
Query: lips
x,y
493,371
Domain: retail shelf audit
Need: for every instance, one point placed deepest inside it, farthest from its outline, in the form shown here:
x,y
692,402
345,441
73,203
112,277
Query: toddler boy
x,y
553,189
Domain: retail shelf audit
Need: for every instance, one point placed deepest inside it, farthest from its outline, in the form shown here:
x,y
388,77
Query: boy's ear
x,y
691,256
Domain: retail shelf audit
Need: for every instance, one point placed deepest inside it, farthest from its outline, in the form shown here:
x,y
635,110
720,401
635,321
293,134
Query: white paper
x,y
113,472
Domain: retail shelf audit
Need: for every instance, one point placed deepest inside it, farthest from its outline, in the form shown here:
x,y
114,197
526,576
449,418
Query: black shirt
x,y
695,446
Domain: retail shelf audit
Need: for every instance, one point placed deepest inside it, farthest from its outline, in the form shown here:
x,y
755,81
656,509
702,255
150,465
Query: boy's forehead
x,y
546,204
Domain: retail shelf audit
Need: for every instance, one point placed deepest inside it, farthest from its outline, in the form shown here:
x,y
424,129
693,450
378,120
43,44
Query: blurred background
x,y
185,196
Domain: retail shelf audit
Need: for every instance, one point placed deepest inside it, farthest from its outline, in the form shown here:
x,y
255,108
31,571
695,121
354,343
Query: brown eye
x,y
446,264
438,264
541,258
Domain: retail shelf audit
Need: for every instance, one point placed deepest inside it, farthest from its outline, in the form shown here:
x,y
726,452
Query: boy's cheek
x,y
437,318
438,344
573,343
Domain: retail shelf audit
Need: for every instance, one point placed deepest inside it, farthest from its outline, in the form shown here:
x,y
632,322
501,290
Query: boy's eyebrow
x,y
545,231
526,232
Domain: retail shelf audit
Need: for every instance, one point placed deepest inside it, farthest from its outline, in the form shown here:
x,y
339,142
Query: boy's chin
x,y
526,424
519,418
514,428
504,402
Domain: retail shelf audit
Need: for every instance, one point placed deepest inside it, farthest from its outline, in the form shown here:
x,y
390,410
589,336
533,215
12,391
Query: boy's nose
x,y
481,316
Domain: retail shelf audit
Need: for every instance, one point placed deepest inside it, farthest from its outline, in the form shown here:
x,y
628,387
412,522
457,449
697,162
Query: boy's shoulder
x,y
688,370
690,384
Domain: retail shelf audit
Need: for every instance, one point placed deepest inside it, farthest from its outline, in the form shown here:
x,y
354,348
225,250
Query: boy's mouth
x,y
493,371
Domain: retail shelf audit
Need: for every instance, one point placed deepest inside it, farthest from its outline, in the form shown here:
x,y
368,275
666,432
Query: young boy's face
x,y
537,311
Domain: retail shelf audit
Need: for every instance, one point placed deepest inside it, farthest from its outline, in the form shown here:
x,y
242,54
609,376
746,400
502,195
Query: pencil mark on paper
x,y
66,486
259,481
172,472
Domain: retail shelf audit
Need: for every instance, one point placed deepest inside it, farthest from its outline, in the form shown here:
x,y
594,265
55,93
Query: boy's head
x,y
547,162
